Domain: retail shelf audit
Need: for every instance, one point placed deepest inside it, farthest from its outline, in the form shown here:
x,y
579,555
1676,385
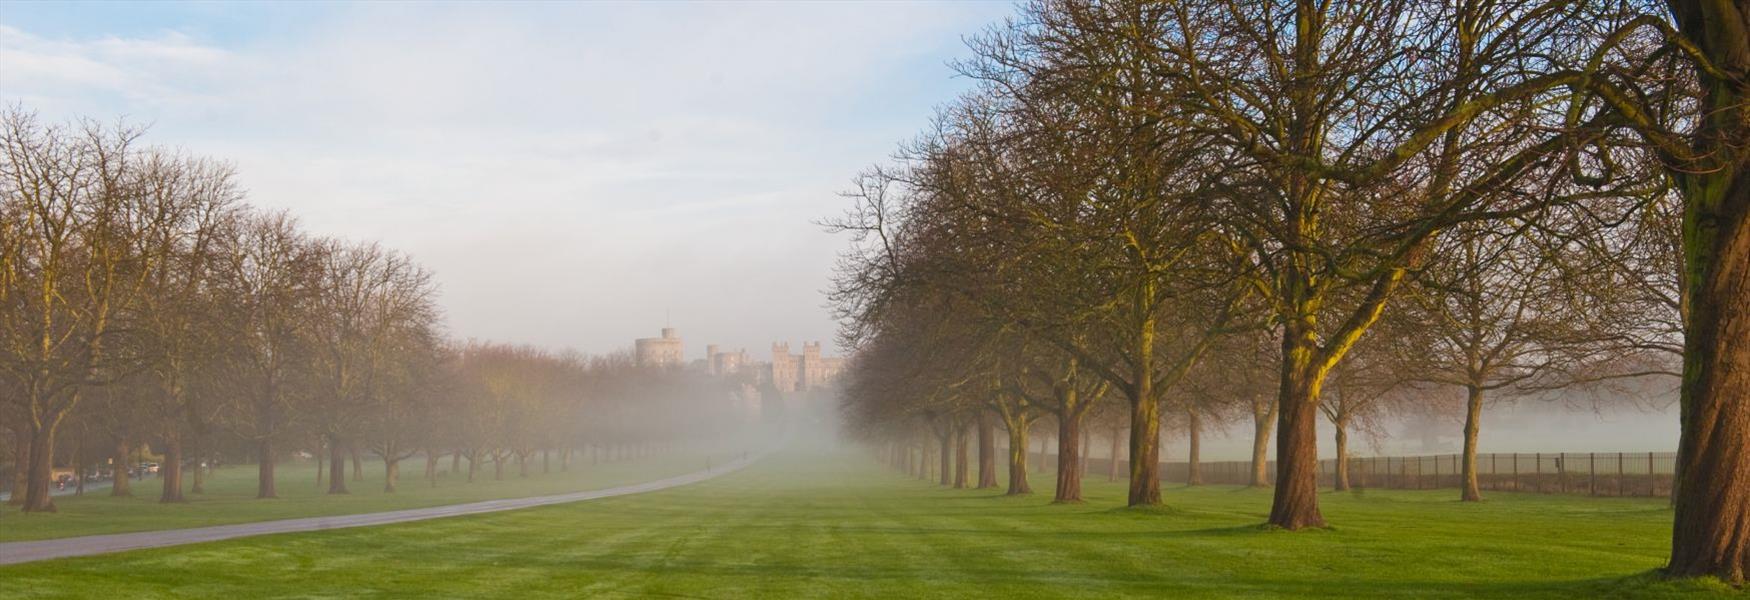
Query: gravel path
x,y
21,552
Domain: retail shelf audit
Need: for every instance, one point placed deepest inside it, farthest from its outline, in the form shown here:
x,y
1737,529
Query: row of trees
x,y
1297,209
142,302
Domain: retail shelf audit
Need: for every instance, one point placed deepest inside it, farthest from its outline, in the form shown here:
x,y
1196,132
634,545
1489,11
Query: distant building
x,y
661,351
802,372
725,363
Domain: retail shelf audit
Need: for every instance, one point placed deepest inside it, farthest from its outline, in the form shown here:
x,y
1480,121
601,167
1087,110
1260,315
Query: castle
x,y
786,372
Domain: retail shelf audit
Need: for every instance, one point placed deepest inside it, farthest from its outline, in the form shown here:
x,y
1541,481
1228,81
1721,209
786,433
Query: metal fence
x,y
1589,473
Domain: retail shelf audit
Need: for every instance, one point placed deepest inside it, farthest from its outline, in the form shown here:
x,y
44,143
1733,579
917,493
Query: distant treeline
x,y
143,302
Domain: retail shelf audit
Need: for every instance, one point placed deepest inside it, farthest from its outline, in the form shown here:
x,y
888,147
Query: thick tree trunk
x,y
171,470
987,453
1711,530
1262,422
264,487
1296,502
1069,460
1342,435
1194,455
1473,421
1018,459
121,483
336,466
41,461
358,467
1145,450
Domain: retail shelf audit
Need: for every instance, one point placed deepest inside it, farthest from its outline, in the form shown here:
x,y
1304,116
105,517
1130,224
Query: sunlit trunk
x,y
1473,421
1711,529
1262,422
391,473
1018,458
1296,502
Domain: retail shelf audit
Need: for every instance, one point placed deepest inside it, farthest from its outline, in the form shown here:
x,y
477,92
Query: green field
x,y
230,494
820,524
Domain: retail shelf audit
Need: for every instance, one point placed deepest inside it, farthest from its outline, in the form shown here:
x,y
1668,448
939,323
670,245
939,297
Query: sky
x,y
575,175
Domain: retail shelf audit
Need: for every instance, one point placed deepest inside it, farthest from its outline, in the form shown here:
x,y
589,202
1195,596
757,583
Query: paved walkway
x,y
21,552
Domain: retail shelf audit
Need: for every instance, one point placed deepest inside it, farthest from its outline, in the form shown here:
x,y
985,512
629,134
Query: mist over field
x,y
1034,299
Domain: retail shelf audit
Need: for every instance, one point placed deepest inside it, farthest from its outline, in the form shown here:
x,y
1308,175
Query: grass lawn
x,y
824,524
230,494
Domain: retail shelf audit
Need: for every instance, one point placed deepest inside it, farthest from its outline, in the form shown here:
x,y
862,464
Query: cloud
x,y
570,171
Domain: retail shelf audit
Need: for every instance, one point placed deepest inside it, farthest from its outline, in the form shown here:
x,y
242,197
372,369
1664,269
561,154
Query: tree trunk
x,y
264,470
960,456
1262,422
171,470
498,467
431,461
1342,434
1145,450
1473,421
1069,460
1018,458
946,475
41,461
1711,530
391,473
121,484
987,453
358,469
1296,502
456,462
1112,453
336,466
1194,455
473,462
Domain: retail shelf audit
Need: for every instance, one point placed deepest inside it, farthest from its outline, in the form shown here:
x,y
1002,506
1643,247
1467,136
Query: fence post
x,y
1620,476
1516,486
1537,461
